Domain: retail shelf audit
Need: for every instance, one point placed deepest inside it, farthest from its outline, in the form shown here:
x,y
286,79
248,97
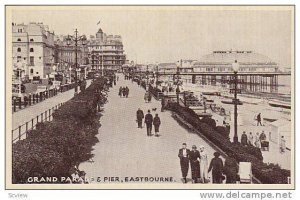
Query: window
x,y
19,49
31,71
19,39
19,58
31,40
31,60
31,50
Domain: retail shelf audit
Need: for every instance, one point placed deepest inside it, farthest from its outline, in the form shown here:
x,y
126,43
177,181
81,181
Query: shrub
x,y
55,147
224,131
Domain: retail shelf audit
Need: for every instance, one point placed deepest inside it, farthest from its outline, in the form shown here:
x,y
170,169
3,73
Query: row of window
x,y
31,59
20,50
19,40
107,47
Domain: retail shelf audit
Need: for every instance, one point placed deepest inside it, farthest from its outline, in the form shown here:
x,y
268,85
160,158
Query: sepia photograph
x,y
150,97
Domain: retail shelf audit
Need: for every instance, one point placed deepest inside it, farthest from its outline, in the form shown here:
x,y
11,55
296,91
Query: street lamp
x,y
147,77
76,38
235,67
179,64
156,82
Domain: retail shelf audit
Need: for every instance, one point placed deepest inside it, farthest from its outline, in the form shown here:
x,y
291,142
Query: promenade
x,y
24,115
128,149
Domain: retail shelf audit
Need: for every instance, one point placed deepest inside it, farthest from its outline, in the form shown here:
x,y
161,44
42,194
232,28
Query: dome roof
x,y
100,30
228,57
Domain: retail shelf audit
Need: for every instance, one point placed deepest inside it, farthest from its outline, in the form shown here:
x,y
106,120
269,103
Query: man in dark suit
x,y
139,117
184,161
148,122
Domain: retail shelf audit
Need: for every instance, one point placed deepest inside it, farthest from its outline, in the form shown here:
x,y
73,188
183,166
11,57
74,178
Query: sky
x,y
168,34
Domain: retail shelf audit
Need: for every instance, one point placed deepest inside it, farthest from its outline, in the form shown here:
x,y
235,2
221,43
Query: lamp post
x,y
156,81
147,77
19,72
179,63
235,67
76,38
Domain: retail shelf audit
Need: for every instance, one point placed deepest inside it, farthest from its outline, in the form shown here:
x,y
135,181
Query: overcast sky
x,y
162,35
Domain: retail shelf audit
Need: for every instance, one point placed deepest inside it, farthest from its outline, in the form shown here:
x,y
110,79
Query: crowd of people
x,y
149,121
124,91
260,141
198,162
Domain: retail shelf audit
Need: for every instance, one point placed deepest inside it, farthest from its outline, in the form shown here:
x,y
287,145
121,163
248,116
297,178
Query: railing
x,y
21,131
32,99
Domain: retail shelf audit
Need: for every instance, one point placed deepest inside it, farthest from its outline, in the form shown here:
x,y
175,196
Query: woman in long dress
x,y
203,165
195,166
257,141
250,139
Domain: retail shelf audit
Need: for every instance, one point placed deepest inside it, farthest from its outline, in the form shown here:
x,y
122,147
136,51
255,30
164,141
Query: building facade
x,y
32,50
65,54
106,51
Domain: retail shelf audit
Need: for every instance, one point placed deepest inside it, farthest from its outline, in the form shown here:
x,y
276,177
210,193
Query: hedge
x,y
266,173
54,148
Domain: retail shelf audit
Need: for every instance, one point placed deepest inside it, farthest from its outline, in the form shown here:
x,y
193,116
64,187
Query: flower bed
x,y
268,174
54,148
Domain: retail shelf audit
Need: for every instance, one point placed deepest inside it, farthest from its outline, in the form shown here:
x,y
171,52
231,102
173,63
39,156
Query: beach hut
x,y
281,127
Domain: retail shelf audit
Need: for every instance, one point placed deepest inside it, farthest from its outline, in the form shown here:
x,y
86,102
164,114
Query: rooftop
x,y
228,57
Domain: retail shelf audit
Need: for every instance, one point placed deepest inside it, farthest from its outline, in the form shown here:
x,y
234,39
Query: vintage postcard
x,y
150,97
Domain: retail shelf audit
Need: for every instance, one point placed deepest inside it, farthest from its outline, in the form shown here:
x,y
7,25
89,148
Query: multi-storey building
x,y
106,51
65,54
32,50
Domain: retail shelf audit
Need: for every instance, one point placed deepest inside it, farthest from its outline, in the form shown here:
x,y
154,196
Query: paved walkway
x,y
24,115
126,151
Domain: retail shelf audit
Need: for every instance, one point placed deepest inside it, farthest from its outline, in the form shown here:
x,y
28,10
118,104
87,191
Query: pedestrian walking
x,y
162,104
146,97
156,123
262,136
258,118
120,91
203,165
149,97
263,141
148,122
231,169
216,166
139,117
97,100
124,91
244,139
184,161
251,139
194,157
127,91
257,141
282,144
